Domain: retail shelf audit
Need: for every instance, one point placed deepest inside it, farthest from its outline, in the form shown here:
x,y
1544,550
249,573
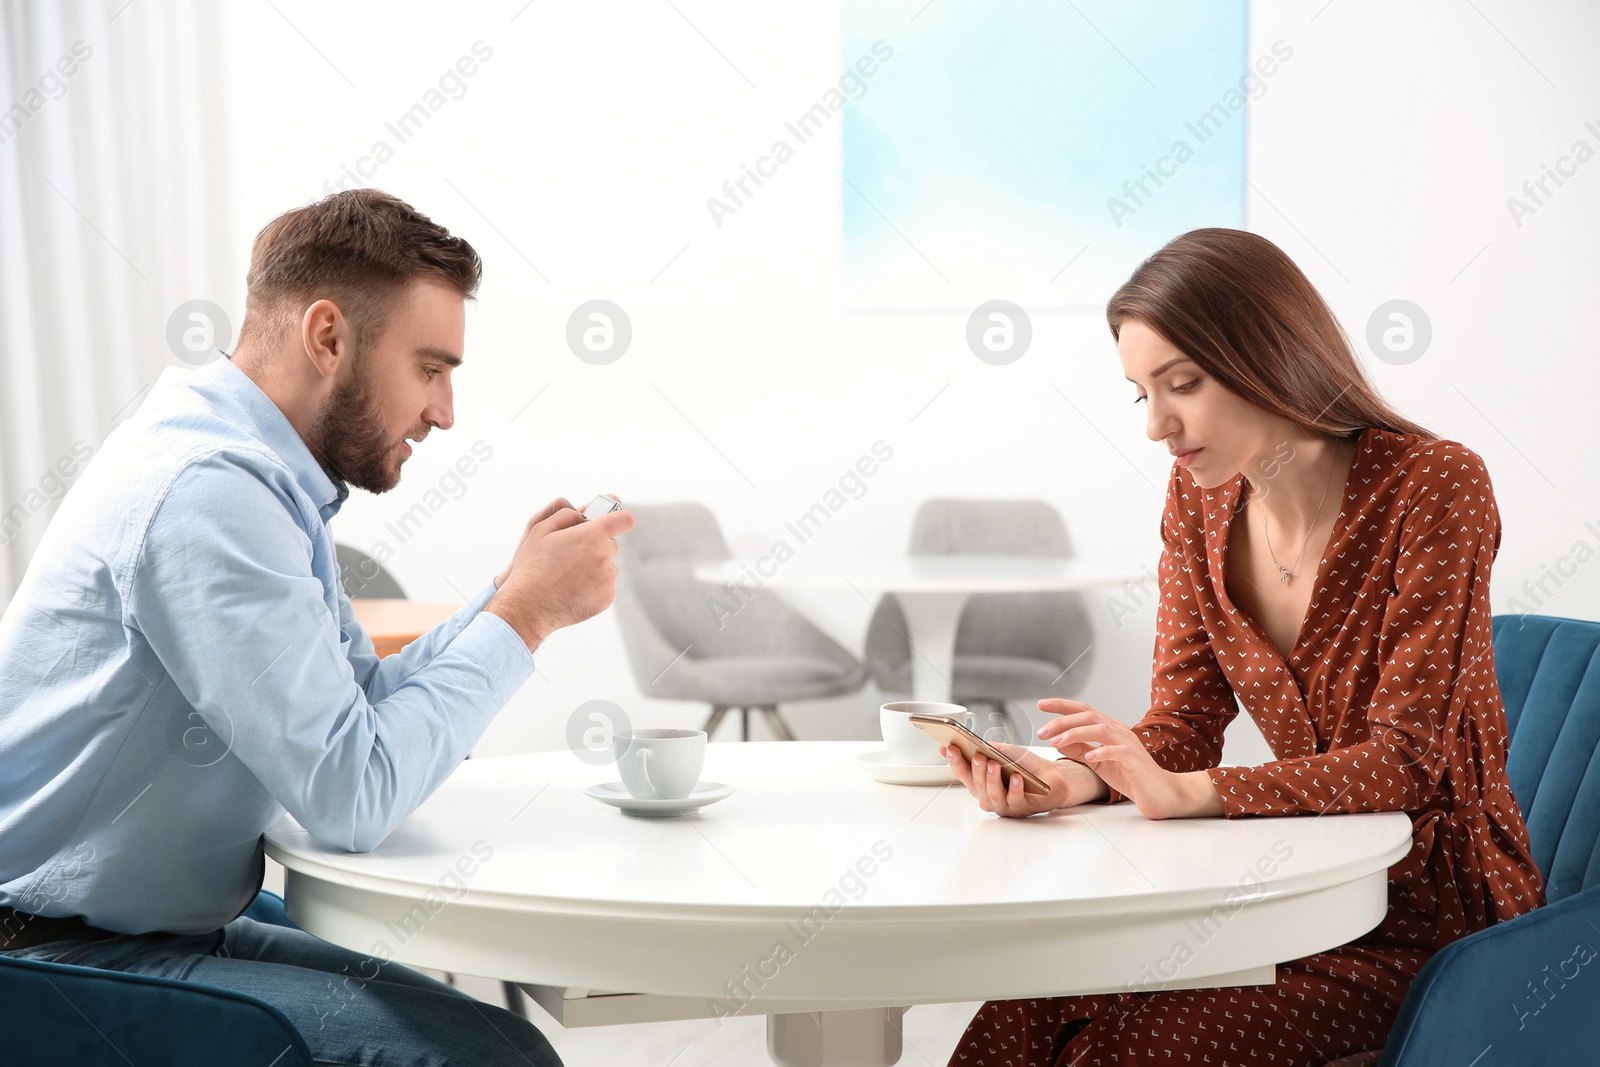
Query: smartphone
x,y
948,731
601,505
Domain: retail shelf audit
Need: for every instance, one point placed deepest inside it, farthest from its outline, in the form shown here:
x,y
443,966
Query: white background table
x,y
932,590
880,896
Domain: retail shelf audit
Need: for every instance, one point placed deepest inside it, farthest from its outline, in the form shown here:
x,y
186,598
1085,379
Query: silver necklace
x,y
1284,573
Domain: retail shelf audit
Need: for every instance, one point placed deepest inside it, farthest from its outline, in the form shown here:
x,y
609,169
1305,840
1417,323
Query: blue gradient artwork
x,y
1037,151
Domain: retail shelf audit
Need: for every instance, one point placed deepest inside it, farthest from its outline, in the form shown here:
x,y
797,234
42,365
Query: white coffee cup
x,y
660,764
908,745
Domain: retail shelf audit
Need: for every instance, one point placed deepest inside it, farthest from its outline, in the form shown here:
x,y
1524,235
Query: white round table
x,y
815,889
932,590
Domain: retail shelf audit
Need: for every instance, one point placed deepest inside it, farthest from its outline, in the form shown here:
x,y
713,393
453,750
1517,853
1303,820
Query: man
x,y
180,664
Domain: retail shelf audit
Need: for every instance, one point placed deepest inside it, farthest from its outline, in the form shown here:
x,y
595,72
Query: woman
x,y
1370,674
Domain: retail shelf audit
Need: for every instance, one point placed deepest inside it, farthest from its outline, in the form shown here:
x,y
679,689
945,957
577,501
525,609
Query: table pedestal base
x,y
931,623
868,1037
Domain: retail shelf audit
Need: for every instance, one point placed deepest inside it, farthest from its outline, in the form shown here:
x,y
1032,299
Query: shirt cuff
x,y
485,595
1227,782
491,643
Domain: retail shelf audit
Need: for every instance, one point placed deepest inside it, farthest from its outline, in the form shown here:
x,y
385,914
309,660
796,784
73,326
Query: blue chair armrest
x,y
1526,988
268,908
93,1018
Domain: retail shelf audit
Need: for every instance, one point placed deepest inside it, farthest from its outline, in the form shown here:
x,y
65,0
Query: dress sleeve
x,y
1435,628
1191,702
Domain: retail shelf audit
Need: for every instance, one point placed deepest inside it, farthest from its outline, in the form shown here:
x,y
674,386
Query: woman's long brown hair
x,y
1234,303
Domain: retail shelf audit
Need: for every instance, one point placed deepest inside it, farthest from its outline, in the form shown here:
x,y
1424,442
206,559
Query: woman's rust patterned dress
x,y
1387,702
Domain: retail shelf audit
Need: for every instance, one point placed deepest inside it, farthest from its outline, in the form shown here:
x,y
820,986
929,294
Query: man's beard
x,y
349,439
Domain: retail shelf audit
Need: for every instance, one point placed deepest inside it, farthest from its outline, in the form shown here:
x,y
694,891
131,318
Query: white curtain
x,y
113,214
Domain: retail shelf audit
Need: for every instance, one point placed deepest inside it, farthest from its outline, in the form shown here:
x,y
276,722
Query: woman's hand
x,y
1070,783
1115,753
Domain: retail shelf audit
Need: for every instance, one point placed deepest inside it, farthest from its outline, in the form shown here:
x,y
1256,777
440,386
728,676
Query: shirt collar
x,y
276,431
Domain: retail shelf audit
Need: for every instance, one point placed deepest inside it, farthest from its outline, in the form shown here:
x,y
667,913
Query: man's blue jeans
x,y
350,1008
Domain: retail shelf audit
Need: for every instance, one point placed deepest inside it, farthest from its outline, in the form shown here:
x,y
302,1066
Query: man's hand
x,y
1070,783
548,510
563,572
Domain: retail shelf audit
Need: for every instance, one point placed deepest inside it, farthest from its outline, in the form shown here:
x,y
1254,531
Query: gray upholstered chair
x,y
1009,646
689,640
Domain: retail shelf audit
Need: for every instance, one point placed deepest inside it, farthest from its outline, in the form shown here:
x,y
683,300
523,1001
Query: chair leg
x,y
776,723
514,999
718,712
744,724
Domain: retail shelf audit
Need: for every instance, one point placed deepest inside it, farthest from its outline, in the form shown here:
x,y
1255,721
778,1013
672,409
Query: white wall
x,y
579,161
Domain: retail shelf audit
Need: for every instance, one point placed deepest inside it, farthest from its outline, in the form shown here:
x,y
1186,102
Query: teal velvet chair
x,y
61,1014
1527,992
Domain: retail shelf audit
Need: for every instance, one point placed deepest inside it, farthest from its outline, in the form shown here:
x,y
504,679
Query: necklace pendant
x,y
1283,572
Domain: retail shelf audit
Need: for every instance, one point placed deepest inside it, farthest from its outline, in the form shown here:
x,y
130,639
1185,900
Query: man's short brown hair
x,y
358,248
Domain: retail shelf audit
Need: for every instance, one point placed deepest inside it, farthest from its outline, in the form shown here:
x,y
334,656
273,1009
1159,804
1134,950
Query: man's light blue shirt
x,y
180,666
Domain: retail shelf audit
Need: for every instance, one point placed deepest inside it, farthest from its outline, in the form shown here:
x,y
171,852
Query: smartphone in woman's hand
x,y
948,731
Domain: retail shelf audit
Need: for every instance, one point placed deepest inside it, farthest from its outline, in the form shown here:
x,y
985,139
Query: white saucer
x,y
881,767
617,795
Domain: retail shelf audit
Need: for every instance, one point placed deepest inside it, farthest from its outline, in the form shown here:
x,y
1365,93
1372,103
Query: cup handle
x,y
642,763
972,722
